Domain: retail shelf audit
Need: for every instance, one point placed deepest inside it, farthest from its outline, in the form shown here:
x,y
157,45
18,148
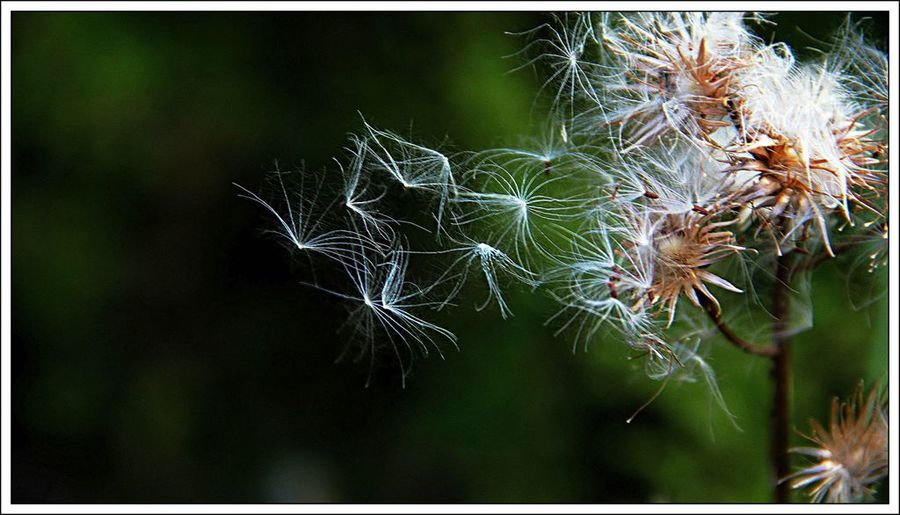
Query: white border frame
x,y
5,271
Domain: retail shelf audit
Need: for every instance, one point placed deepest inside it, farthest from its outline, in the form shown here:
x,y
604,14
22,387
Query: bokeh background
x,y
164,352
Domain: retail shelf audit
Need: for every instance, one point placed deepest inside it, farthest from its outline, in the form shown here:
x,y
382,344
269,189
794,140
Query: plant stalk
x,y
731,336
781,377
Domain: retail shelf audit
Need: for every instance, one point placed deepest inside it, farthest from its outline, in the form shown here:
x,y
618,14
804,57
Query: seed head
x,y
851,455
683,246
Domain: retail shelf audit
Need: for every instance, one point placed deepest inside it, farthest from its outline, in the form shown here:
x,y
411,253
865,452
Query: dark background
x,y
164,352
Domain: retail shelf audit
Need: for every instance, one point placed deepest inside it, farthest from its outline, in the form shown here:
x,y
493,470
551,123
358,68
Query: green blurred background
x,y
164,352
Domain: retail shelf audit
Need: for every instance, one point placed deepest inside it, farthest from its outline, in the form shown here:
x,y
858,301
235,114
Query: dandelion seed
x,y
517,205
385,302
299,223
546,153
491,262
413,166
681,359
563,51
598,282
359,203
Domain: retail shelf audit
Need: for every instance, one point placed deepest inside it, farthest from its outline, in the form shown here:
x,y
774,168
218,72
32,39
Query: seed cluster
x,y
680,150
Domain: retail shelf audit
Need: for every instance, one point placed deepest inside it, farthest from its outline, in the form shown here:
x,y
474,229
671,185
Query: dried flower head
x,y
806,138
677,72
852,454
683,247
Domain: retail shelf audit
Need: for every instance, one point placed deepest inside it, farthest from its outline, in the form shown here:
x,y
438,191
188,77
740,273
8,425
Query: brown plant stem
x,y
731,336
781,377
780,353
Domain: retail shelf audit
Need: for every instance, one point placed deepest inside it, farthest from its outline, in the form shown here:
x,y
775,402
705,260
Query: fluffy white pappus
x,y
492,263
862,68
679,360
518,208
413,166
675,72
862,71
383,310
360,202
671,180
803,108
564,50
553,151
597,284
301,224
805,136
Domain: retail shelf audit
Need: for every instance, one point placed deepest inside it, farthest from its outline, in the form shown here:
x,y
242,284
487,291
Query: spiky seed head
x,y
851,455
